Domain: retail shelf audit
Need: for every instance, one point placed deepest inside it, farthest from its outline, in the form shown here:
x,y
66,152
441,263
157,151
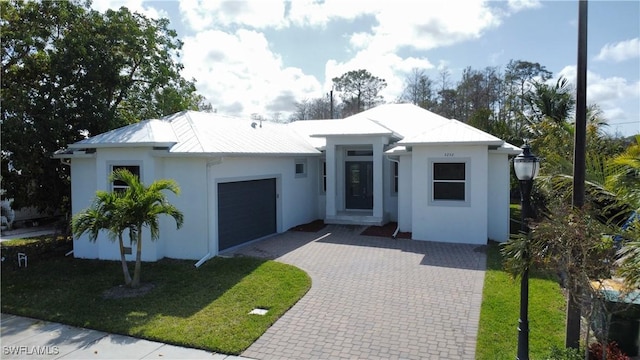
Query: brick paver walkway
x,y
375,298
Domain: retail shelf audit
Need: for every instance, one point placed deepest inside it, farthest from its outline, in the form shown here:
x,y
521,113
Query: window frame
x,y
466,181
119,165
395,172
302,174
323,175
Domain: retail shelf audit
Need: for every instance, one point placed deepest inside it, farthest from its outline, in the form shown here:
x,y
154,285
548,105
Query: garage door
x,y
246,211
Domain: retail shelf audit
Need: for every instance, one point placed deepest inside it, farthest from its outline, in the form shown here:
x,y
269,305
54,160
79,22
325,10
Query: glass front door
x,y
359,184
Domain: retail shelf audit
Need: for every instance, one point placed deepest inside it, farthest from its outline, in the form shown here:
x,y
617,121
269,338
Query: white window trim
x,y
394,179
467,182
322,164
302,162
112,164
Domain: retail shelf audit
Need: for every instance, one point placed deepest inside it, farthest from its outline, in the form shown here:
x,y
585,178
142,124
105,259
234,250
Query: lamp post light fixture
x,y
526,166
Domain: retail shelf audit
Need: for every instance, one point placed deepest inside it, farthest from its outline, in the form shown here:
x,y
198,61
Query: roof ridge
x,y
196,134
393,132
173,130
476,129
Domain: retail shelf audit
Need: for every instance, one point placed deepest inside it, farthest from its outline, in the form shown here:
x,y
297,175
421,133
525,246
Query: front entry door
x,y
359,184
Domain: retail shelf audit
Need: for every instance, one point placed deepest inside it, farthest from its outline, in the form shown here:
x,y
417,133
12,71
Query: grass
x,y
498,328
204,308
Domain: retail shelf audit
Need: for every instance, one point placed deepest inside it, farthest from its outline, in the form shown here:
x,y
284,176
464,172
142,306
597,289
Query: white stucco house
x,y
242,180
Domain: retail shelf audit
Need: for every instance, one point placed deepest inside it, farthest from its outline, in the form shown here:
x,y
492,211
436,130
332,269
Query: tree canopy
x,y
359,90
68,72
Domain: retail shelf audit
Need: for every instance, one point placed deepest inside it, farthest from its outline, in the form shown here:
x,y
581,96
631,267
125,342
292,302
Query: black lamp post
x,y
526,166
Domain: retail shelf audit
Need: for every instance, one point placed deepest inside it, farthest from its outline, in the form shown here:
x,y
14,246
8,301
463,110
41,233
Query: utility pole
x,y
331,103
572,339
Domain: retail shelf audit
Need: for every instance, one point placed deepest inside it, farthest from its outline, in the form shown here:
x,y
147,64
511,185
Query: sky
x,y
262,56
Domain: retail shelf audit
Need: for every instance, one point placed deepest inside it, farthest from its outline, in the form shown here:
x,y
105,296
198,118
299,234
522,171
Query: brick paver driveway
x,y
375,298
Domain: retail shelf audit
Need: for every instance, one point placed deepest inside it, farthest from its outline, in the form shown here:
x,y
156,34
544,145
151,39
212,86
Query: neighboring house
x,y
241,180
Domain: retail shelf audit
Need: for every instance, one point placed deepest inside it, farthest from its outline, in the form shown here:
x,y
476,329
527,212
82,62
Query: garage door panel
x,y
246,211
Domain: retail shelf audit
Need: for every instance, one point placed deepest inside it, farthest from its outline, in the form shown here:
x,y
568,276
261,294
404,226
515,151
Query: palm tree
x,y
554,102
141,206
105,213
625,169
626,182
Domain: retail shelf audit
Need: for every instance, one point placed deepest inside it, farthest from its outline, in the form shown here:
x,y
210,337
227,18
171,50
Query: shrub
x,y
613,352
557,353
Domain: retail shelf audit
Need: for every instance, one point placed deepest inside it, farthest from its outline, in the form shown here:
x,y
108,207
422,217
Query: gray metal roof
x,y
193,132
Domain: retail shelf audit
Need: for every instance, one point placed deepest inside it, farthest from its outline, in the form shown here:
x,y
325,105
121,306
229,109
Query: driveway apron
x,y
375,298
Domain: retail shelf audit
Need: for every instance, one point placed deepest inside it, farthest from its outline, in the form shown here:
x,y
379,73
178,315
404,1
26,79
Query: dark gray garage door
x,y
246,211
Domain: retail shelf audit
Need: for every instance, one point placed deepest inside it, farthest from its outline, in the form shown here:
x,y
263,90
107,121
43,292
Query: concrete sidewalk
x,y
26,338
27,232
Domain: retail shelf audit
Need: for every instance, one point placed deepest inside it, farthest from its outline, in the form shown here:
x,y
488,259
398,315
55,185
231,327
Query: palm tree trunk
x,y
125,267
136,271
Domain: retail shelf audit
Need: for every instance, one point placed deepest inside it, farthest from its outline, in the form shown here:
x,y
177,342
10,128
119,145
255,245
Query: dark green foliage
x,y
204,307
558,353
36,249
68,71
359,90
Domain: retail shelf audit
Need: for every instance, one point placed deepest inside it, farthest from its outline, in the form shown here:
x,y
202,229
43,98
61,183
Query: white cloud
x,y
620,51
240,75
615,95
602,90
436,24
207,14
313,13
519,5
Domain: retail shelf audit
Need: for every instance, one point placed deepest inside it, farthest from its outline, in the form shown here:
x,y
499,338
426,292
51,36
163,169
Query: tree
x,y
313,109
518,78
105,213
68,71
448,103
569,241
134,209
359,90
418,90
625,181
141,205
555,102
477,90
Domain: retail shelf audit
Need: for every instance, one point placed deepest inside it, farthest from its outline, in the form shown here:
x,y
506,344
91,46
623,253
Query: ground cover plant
x,y
206,307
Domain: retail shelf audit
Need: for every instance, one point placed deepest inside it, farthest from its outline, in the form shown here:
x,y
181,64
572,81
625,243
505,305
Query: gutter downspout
x,y
205,258
395,233
211,163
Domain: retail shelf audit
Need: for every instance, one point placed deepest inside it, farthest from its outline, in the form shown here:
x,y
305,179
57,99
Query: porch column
x,y
330,199
378,193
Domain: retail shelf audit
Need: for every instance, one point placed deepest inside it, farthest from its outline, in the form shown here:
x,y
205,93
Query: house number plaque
x,y
448,154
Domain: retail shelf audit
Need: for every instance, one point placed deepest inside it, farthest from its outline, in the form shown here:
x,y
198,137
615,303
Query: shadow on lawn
x,y
71,290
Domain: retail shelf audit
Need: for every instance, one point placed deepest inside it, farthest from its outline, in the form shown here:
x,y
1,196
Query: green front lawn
x,y
205,308
498,329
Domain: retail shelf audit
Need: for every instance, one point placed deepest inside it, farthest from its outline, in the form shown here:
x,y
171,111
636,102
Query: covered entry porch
x,y
355,174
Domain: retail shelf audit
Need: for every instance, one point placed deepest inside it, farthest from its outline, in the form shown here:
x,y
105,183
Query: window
x,y
323,173
449,181
363,152
394,177
119,185
301,168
